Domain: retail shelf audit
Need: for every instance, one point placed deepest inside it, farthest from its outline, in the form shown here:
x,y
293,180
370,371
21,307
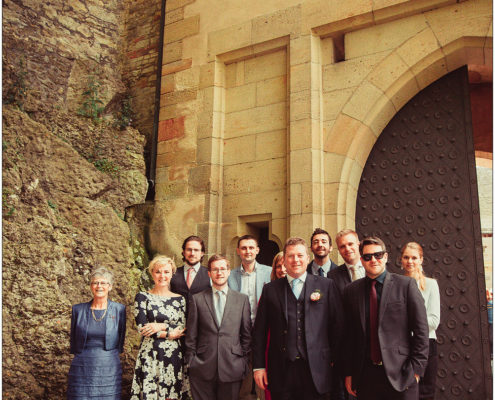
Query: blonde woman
x,y
412,264
160,319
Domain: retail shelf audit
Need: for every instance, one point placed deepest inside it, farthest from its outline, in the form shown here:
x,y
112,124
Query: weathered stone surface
x,y
62,216
67,182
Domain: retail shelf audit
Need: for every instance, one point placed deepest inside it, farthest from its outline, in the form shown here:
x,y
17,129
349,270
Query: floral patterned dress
x,y
158,373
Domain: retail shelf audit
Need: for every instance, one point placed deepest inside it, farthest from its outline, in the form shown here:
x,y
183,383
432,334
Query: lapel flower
x,y
316,295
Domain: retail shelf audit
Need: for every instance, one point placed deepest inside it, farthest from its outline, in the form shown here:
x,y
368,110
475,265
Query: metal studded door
x,y
419,184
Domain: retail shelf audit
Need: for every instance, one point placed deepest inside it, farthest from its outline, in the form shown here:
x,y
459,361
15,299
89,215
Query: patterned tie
x,y
191,273
375,353
321,272
220,306
353,269
296,287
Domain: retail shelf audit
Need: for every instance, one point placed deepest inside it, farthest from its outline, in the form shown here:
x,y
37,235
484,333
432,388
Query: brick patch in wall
x,y
172,128
142,52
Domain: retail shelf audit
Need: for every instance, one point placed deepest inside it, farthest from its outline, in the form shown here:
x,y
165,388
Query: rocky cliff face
x,y
67,181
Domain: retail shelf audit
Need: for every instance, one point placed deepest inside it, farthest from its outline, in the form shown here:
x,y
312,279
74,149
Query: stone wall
x,y
348,68
67,182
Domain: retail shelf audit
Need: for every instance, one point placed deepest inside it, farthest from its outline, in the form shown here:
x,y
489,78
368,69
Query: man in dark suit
x,y
192,277
321,246
303,314
386,330
347,242
218,337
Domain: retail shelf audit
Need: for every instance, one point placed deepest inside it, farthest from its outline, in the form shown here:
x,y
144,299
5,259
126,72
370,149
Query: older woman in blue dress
x,y
412,264
96,338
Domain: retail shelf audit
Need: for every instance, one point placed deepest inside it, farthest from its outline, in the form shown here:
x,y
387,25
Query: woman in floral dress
x,y
160,318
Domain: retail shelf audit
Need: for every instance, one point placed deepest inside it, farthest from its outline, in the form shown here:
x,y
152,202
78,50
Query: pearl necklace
x,y
98,319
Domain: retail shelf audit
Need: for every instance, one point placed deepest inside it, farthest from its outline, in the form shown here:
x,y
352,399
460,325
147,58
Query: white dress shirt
x,y
248,287
187,267
315,267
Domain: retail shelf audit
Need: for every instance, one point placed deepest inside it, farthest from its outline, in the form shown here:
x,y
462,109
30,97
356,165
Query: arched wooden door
x,y
419,184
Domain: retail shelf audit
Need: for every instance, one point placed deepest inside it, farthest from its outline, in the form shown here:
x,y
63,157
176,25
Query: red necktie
x,y
375,353
190,276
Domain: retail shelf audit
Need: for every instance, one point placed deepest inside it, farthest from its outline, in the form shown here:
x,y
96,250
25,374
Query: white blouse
x,y
431,295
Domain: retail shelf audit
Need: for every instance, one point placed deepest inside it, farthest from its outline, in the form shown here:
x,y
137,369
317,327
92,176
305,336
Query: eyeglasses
x,y
104,284
378,255
216,271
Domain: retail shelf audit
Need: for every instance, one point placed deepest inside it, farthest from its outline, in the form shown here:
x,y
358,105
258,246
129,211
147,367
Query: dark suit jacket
x,y
309,269
341,278
114,326
178,283
402,330
224,349
323,328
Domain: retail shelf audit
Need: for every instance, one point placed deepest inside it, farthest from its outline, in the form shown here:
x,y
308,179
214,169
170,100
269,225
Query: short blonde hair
x,y
161,260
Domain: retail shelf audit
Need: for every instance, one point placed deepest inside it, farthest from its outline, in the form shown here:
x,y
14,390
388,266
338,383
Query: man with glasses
x,y
387,331
218,337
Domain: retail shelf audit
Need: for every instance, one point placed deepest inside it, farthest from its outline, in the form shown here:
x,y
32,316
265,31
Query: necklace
x,y
98,319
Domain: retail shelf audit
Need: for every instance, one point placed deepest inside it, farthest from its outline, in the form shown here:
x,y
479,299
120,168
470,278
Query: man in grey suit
x,y
387,342
218,337
249,278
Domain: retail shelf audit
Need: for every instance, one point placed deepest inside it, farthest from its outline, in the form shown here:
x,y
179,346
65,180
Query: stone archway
x,y
390,85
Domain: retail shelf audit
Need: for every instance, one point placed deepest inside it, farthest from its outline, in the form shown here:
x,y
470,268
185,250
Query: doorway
x,y
419,184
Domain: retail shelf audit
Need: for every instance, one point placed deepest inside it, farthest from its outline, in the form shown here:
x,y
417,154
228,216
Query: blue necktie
x,y
220,306
296,287
321,272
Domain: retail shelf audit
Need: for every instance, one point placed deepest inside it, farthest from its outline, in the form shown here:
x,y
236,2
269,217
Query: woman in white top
x,y
412,263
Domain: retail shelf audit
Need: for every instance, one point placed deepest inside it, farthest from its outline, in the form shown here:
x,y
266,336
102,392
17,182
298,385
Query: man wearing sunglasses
x,y
387,330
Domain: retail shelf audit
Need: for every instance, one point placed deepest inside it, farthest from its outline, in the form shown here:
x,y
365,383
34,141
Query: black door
x,y
419,184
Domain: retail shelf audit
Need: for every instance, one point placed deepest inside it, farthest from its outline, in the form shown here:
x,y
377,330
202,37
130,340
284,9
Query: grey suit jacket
x,y
223,349
263,273
402,330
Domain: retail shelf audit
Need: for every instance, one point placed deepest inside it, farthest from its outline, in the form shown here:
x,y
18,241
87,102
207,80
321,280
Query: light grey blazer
x,y
211,348
263,273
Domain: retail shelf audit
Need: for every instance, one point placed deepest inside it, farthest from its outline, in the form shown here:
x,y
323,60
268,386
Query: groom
x,y
302,313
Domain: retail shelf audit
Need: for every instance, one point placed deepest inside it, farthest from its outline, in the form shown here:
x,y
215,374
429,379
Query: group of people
x,y
295,330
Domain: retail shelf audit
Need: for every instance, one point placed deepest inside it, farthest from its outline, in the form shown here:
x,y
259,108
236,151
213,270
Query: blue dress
x,y
95,373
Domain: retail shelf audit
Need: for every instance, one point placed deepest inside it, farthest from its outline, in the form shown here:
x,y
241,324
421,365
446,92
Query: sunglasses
x,y
378,255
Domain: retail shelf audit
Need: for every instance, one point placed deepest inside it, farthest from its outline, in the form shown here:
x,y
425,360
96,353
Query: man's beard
x,y
318,257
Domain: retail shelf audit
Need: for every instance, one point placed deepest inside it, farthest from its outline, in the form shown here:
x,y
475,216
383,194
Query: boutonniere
x,y
316,295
